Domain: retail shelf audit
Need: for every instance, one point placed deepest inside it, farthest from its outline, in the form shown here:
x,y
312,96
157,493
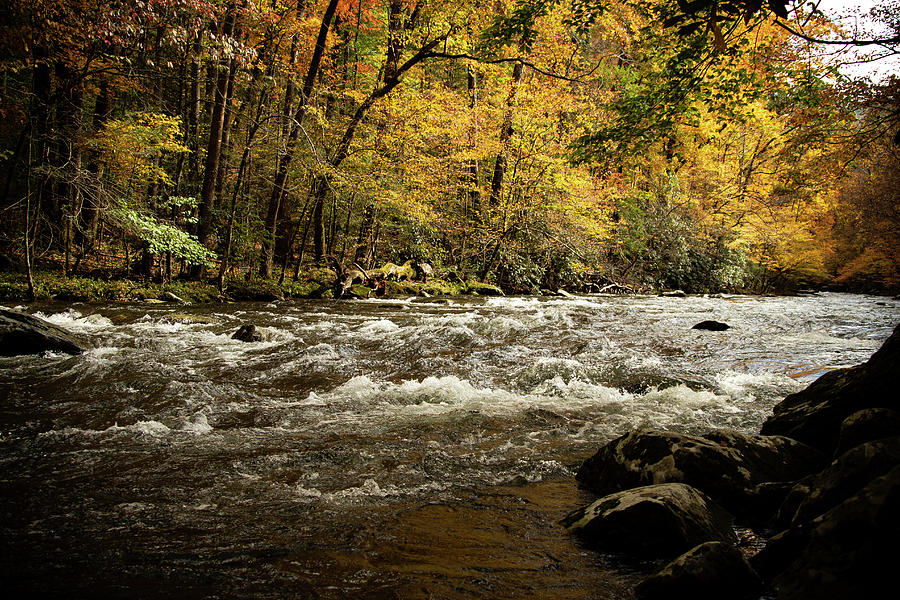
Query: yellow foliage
x,y
130,148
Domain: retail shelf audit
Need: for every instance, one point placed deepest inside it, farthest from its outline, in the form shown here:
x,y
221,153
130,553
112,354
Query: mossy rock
x,y
440,287
304,289
406,272
322,275
361,290
483,289
389,270
401,288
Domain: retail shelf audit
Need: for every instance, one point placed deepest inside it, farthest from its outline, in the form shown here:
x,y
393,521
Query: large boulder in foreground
x,y
655,521
710,571
845,477
848,552
21,333
725,464
814,415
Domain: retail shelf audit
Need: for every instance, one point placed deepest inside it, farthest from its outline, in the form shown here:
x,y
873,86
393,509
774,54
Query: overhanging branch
x,y
851,42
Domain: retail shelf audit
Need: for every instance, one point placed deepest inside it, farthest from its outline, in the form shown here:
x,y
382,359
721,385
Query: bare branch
x,y
850,42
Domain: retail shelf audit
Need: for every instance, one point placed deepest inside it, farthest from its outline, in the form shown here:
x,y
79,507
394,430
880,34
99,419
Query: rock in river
x,y
711,326
848,552
247,333
712,571
852,471
654,521
21,333
725,464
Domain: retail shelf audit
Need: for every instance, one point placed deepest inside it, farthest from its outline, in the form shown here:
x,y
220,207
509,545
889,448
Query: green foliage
x,y
163,238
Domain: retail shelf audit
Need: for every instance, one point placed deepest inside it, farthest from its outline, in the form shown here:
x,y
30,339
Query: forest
x,y
706,146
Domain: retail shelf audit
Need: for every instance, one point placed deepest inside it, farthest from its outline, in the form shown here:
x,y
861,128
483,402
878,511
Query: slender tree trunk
x,y
366,240
28,269
278,189
506,133
87,227
473,192
301,251
226,136
68,154
214,145
193,132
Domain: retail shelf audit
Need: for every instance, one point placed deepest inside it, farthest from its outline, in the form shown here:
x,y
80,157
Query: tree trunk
x,y
366,240
473,192
506,132
193,132
278,189
87,227
214,145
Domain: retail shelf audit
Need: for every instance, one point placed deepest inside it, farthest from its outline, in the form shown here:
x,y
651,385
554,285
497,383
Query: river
x,y
370,449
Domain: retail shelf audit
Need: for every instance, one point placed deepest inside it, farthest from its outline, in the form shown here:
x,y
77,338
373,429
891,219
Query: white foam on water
x,y
518,302
369,490
379,327
546,368
749,387
152,428
364,402
198,424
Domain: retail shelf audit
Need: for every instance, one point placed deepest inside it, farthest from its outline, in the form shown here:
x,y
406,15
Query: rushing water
x,y
370,449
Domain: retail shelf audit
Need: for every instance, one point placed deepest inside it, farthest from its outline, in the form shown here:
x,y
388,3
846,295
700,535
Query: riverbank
x,y
315,283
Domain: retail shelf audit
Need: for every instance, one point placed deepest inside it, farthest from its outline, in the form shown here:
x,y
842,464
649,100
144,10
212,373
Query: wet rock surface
x,y
725,464
652,521
712,570
21,333
847,552
247,333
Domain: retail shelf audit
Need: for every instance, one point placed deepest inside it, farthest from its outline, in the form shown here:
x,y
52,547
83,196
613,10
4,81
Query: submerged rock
x,y
654,521
186,319
711,326
725,464
814,415
712,570
21,333
247,333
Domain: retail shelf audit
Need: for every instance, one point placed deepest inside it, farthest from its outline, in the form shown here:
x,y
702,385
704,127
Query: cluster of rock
x,y
823,476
